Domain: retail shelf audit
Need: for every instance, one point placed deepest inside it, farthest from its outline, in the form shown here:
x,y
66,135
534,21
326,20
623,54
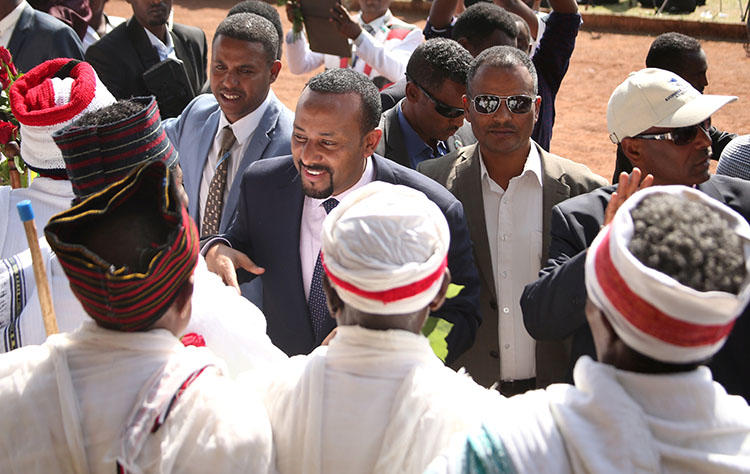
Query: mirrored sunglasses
x,y
679,136
488,104
442,108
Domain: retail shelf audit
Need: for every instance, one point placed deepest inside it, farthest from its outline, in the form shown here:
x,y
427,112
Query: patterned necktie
x,y
316,302
215,199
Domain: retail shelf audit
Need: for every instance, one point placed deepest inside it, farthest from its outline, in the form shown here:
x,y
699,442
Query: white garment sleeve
x,y
299,57
390,58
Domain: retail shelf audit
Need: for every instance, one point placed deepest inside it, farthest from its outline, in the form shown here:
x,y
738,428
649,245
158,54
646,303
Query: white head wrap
x,y
384,249
650,311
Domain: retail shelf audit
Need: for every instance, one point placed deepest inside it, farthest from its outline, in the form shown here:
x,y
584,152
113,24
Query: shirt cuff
x,y
211,241
360,39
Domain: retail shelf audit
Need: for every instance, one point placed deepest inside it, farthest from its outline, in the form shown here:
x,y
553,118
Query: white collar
x,y
532,166
10,20
378,22
244,128
158,44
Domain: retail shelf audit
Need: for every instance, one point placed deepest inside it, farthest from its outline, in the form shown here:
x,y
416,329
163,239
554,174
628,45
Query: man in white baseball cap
x,y
377,399
666,282
661,122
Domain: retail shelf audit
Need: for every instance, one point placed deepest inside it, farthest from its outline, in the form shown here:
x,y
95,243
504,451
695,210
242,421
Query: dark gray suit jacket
x,y
266,227
553,306
122,56
38,37
460,172
393,147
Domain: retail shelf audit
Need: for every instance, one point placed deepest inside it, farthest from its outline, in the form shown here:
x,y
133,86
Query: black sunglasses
x,y
442,108
488,104
679,136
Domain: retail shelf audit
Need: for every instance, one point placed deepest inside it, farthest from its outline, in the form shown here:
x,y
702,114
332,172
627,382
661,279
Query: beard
x,y
322,193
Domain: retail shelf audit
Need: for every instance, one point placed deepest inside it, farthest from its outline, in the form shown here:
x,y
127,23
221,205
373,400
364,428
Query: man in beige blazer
x,y
508,185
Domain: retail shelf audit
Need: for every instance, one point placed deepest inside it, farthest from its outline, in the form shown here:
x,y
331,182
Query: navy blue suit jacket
x,y
38,37
553,306
266,227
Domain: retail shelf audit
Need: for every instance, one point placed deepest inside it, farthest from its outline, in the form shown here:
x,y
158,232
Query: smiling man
x,y
145,56
661,123
283,201
508,184
219,135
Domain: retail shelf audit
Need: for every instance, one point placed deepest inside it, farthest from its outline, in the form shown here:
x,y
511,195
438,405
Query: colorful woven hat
x,y
46,99
650,311
98,155
115,295
384,249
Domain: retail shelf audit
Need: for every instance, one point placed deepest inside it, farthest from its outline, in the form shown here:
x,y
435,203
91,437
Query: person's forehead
x,y
327,113
512,79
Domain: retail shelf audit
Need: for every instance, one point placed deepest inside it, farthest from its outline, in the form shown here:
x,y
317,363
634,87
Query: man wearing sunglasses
x,y
661,122
508,185
429,122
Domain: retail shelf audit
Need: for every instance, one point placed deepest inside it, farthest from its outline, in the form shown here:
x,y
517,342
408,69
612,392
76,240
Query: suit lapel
x,y
19,34
466,185
207,134
253,152
553,193
395,146
182,53
146,52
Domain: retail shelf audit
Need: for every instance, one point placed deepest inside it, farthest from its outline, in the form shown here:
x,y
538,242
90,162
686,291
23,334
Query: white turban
x,y
384,249
650,311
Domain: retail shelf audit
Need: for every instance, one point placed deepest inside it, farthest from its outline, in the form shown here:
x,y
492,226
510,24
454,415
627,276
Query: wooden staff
x,y
26,213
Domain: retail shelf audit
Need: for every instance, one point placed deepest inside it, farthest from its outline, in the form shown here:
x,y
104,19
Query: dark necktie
x,y
316,302
215,199
369,29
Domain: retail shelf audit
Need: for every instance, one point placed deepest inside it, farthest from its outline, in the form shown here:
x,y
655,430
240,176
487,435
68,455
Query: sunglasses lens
x,y
684,135
519,104
448,112
486,104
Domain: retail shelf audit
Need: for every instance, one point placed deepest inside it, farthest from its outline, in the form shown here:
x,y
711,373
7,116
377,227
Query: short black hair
x,y
502,57
265,10
688,241
112,113
437,60
348,81
669,50
252,28
481,20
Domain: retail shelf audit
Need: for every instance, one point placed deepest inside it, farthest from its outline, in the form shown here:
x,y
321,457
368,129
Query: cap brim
x,y
696,111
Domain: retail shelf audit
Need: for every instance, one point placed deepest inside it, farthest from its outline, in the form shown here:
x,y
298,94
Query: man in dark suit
x,y
283,201
661,123
36,36
508,185
429,121
174,57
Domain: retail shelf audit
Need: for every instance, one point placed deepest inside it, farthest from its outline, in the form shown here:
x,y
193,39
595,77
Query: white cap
x,y
384,249
650,311
656,98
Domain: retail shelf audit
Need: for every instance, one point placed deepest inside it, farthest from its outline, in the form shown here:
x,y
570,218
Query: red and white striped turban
x,y
384,249
651,312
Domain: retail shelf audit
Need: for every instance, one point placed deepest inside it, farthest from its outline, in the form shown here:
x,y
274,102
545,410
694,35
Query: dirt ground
x,y
600,62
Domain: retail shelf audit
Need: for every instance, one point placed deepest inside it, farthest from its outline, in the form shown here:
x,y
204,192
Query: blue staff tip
x,y
25,210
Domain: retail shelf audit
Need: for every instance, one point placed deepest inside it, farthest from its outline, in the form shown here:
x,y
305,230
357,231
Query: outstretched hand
x,y
628,185
224,261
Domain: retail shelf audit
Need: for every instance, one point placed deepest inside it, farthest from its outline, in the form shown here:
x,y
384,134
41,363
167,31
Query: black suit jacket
x,y
122,56
553,306
393,146
391,95
266,226
38,37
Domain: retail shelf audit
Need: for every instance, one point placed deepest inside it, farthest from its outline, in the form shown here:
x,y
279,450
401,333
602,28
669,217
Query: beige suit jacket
x,y
459,172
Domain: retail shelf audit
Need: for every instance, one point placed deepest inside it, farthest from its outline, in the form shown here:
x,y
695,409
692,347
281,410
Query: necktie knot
x,y
227,140
329,204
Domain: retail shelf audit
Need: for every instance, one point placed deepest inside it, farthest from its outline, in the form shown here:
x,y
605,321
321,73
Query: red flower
x,y
8,132
193,339
6,60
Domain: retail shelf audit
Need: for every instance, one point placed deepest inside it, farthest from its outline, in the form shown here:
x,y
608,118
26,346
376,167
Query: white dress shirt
x,y
514,232
313,214
8,24
165,50
243,130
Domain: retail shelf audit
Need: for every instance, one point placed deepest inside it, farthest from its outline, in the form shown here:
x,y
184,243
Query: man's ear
x,y
439,298
335,304
467,104
371,140
537,107
633,151
412,92
275,68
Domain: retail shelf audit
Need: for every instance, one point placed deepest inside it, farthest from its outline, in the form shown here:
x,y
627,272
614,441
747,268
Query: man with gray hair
x,y
429,121
377,399
509,218
666,279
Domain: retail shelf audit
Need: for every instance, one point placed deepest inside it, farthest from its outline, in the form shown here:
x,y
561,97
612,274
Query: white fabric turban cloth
x,y
650,311
384,249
